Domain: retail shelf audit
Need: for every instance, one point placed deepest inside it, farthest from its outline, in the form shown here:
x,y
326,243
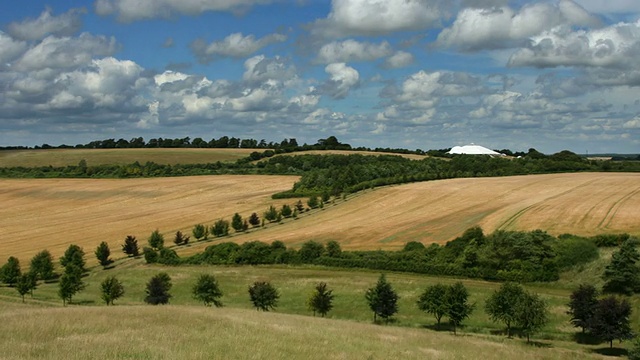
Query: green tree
x,y
42,265
286,210
622,275
236,223
321,300
200,232
458,307
299,206
532,314
254,219
382,299
310,251
271,214
112,289
26,283
11,271
158,289
333,249
433,301
102,254
413,246
130,246
74,255
583,303
156,240
501,306
634,352
150,256
207,290
180,238
70,283
313,202
612,320
263,296
220,228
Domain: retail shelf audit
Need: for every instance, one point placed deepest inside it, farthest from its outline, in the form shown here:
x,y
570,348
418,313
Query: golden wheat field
x,y
53,213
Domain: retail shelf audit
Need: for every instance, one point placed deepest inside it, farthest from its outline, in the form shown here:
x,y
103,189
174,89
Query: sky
x,y
416,74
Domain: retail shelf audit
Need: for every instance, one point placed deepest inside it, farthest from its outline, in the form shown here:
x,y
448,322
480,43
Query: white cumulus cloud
x,y
342,78
351,50
235,45
47,24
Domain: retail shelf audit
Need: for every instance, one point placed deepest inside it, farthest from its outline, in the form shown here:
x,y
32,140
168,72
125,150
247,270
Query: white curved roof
x,y
473,150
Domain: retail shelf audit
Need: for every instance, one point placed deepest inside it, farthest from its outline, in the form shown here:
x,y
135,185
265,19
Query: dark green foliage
x,y
583,303
220,228
158,289
42,265
111,290
200,232
382,299
299,206
130,246
634,351
313,202
611,320
622,275
254,253
254,219
321,300
26,283
286,211
413,246
207,290
573,250
70,283
532,314
150,255
610,240
501,306
237,224
433,301
333,249
156,240
310,251
271,215
168,257
263,296
102,254
10,272
180,238
73,255
458,307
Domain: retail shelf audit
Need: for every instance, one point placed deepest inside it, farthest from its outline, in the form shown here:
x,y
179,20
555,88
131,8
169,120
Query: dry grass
x,y
65,157
353,152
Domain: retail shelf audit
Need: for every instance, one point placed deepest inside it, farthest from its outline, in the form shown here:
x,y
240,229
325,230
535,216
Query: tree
x,y
634,352
313,202
11,271
582,306
200,232
286,210
501,306
310,251
433,301
130,246
158,289
611,320
112,290
220,228
156,240
458,307
26,283
70,283
333,249
299,206
73,255
263,296
102,254
180,238
236,223
207,290
321,300
622,275
42,265
254,220
531,314
382,299
271,215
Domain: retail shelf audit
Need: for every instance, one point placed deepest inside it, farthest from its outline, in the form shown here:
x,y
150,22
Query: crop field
x,y
53,213
170,156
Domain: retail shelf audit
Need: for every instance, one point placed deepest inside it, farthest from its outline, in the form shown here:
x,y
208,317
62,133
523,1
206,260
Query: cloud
x,y
235,46
496,28
633,123
132,10
10,49
377,17
259,69
46,24
399,60
351,50
611,7
615,47
342,79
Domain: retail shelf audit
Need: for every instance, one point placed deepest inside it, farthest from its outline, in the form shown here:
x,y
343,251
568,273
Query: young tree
x,y
622,275
156,240
382,299
458,307
102,254
501,306
112,290
200,232
321,300
263,296
207,290
73,255
130,246
313,202
582,306
158,289
286,211
220,228
11,271
236,223
70,283
611,320
333,249
254,220
299,206
271,215
42,265
433,301
180,238
532,314
26,283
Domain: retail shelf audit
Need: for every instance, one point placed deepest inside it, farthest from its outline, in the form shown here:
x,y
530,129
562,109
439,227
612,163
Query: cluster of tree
x,y
71,281
622,275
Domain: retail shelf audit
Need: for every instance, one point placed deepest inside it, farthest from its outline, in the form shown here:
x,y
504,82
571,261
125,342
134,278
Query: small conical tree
x,y
102,254
156,240
200,232
254,220
11,271
321,300
130,246
622,275
158,289
74,255
207,290
112,290
382,299
180,238
263,296
236,223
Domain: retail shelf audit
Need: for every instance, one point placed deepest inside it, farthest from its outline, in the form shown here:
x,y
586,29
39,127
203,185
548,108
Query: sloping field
x,y
66,157
39,214
353,152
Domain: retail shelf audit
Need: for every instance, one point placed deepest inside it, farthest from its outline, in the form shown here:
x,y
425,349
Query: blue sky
x,y
426,74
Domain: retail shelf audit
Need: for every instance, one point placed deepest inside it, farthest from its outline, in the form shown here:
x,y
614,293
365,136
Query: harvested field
x,y
353,152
